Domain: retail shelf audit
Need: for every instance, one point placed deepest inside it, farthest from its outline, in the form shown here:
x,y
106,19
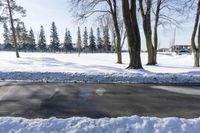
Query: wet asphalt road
x,y
63,100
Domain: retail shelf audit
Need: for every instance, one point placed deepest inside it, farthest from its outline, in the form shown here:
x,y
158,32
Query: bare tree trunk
x,y
118,37
146,16
194,48
156,30
13,29
133,35
113,9
198,49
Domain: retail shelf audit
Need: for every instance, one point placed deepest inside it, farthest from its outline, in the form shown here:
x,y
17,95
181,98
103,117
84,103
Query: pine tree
x,y
54,42
79,41
31,43
106,39
99,40
42,46
85,38
7,39
18,34
68,41
22,36
69,46
92,41
25,38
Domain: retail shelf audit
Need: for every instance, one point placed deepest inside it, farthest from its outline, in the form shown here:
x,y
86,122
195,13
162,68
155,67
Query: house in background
x,y
176,48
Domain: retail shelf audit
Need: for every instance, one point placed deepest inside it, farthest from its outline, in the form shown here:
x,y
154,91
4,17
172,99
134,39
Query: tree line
x,y
87,43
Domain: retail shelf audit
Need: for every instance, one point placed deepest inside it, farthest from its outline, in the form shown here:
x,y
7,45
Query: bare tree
x,y
146,17
87,8
196,49
164,12
133,34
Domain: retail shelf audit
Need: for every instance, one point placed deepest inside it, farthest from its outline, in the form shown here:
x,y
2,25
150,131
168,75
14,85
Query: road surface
x,y
63,100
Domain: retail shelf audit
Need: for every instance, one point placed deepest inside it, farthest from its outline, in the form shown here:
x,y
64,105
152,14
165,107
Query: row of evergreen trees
x,y
92,43
26,40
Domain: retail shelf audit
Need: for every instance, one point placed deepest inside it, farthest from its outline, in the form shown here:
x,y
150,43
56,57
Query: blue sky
x,y
43,12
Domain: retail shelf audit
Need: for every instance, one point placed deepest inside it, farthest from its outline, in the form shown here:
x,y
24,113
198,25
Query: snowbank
x,y
132,124
96,68
140,77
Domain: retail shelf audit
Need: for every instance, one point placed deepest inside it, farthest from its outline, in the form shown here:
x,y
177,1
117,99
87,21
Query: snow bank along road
x,y
95,68
132,124
43,100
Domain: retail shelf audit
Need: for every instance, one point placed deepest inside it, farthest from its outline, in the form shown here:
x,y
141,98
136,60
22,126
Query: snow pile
x,y
140,77
132,124
96,68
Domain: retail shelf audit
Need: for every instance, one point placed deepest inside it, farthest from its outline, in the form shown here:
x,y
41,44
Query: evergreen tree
x,y
99,40
54,42
69,46
42,46
22,36
79,41
85,38
7,39
31,43
68,41
92,41
18,34
106,39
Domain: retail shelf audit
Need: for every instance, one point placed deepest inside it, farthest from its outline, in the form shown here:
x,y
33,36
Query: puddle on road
x,y
86,91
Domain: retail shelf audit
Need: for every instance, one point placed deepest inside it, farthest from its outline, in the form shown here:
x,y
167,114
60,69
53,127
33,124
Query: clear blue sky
x,y
43,12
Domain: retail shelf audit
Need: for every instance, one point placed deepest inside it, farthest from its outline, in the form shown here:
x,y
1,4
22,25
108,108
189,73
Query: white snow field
x,y
95,68
61,67
132,124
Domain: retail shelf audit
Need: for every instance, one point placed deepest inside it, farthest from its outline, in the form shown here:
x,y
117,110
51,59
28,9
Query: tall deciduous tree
x,y
42,46
146,16
54,42
133,35
196,49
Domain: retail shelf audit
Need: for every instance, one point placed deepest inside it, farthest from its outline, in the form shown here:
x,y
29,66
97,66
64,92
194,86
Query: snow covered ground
x,y
132,124
95,68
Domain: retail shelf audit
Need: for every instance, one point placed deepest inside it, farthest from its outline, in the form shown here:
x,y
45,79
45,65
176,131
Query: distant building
x,y
175,48
163,50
